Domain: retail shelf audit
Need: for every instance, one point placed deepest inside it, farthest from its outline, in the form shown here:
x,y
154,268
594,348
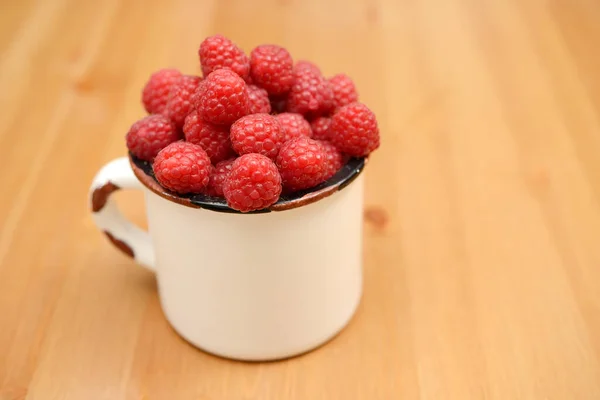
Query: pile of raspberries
x,y
251,127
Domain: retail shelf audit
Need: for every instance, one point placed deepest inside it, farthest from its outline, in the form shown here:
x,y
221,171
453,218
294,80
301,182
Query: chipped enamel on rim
x,y
350,171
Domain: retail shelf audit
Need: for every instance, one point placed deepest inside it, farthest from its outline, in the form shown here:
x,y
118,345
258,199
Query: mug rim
x,y
345,176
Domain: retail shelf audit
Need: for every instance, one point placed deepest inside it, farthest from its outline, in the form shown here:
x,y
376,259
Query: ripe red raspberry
x,y
344,91
354,130
259,100
310,93
253,183
303,64
302,164
257,133
214,139
217,177
271,67
180,102
218,52
182,167
222,97
156,91
334,159
150,135
294,125
321,128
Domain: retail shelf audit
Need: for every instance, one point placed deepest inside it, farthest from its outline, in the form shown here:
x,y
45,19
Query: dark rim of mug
x,y
350,171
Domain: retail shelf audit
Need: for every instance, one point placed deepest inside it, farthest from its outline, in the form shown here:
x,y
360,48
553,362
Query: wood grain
x,y
482,209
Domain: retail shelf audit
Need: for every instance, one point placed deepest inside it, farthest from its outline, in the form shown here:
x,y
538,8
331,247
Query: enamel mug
x,y
256,286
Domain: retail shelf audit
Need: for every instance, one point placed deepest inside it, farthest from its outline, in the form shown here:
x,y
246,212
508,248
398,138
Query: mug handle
x,y
126,236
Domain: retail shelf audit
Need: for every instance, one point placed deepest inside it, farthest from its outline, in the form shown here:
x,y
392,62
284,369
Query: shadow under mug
x,y
256,286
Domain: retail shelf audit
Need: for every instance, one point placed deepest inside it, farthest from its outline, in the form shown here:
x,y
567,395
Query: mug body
x,y
259,286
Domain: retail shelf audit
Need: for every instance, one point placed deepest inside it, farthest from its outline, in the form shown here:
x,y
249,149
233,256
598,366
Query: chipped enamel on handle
x,y
126,236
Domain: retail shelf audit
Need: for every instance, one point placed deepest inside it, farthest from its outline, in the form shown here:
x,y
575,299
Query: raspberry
x,y
294,125
182,167
271,67
302,164
354,130
195,98
217,177
253,183
259,100
257,133
303,64
150,135
214,139
218,52
321,128
344,91
310,93
334,159
156,91
222,97
180,102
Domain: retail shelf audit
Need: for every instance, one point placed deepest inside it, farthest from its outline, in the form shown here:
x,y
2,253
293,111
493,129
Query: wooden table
x,y
482,234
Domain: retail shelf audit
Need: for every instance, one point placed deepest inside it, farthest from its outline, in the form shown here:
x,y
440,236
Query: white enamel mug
x,y
260,286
